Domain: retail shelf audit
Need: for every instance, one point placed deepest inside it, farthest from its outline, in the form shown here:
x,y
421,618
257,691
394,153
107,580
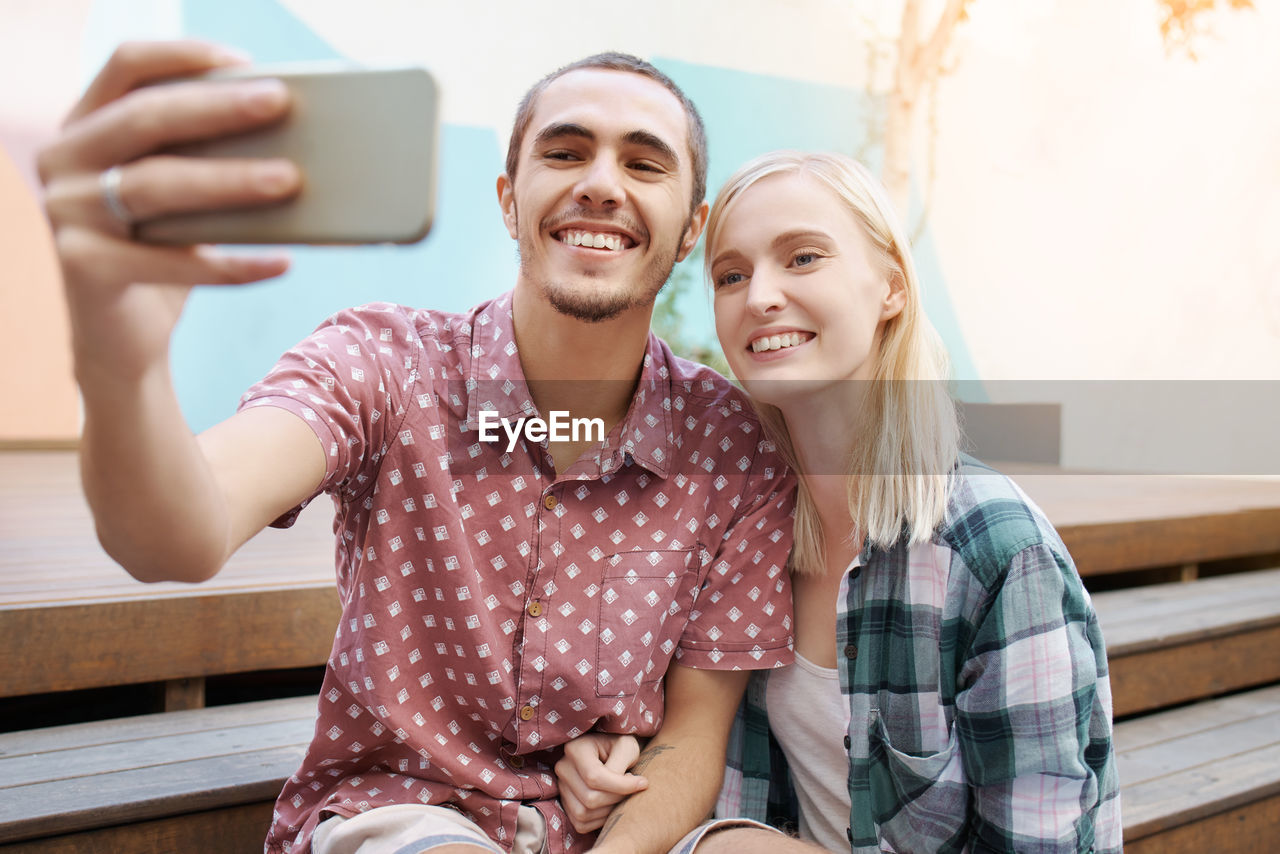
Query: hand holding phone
x,y
365,140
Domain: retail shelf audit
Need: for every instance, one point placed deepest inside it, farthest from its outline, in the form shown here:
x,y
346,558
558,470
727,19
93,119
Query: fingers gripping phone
x,y
365,140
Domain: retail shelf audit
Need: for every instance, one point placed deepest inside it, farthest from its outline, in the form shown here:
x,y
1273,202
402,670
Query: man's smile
x,y
610,240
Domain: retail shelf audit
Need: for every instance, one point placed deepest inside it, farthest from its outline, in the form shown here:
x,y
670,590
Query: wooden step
x,y
1172,643
1204,777
165,776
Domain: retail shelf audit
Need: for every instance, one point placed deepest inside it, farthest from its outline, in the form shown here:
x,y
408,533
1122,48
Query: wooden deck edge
x,y
1202,812
232,830
132,808
1217,830
1149,681
1190,638
163,647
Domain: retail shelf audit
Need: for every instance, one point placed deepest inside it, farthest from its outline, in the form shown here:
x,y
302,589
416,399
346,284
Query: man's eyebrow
x,y
562,129
650,140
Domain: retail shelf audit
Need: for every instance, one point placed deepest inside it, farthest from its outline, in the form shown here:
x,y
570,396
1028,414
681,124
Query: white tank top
x,y
809,717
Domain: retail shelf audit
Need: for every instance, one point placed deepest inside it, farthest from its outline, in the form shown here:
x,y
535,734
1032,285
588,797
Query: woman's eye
x,y
730,279
804,259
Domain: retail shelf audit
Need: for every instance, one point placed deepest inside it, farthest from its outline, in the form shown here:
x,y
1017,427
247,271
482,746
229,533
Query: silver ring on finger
x,y
109,184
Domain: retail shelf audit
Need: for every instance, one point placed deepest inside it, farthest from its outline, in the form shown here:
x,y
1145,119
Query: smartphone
x,y
365,140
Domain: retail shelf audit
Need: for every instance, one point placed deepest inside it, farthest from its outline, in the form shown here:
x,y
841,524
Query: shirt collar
x,y
497,383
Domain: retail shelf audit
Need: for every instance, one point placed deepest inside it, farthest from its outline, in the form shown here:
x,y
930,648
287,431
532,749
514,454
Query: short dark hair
x,y
613,61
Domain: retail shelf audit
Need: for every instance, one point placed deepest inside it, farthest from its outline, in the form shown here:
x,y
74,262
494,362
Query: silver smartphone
x,y
365,140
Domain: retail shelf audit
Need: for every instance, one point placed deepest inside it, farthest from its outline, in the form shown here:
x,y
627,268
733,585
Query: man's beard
x,y
597,307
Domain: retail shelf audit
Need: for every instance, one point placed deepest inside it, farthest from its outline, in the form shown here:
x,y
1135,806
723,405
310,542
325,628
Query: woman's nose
x,y
765,293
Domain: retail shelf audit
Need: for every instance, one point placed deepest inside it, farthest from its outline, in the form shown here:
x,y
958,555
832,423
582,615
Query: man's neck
x,y
588,370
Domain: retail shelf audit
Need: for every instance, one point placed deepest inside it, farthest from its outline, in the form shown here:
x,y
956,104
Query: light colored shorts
x,y
693,837
414,828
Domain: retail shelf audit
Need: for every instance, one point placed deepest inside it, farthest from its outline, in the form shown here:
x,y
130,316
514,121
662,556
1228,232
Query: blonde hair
x,y
900,464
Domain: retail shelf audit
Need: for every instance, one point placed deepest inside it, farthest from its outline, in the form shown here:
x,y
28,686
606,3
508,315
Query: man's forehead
x,y
605,95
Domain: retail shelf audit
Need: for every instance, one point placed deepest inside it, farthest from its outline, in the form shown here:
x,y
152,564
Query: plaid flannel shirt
x,y
977,685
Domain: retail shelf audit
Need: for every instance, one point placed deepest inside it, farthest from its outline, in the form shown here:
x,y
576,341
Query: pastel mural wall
x,y
1096,208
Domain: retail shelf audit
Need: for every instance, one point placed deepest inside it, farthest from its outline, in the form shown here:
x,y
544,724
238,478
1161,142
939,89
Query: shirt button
x,y
535,609
848,831
526,713
851,651
550,502
848,742
854,573
516,762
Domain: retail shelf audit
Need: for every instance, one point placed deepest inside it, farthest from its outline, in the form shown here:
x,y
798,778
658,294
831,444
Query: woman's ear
x,y
895,297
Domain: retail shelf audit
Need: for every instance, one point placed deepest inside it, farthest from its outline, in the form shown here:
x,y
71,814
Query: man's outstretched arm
x,y
167,505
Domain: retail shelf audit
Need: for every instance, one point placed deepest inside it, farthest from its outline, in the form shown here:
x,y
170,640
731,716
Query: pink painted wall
x,y
37,391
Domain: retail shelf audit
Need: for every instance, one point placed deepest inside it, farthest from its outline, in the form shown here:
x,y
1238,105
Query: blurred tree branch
x,y
1183,21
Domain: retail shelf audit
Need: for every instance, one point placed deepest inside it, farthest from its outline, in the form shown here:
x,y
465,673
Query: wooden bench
x,y
1115,523
205,780
71,618
1171,643
1205,777
202,780
81,622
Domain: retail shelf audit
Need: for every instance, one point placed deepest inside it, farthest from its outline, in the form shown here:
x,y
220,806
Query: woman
x,y
950,689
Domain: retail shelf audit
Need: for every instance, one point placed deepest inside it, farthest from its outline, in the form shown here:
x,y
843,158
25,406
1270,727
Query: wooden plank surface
x,y
67,779
1204,761
124,641
49,553
1250,829
1112,523
70,618
1164,615
233,830
141,727
1170,643
1167,677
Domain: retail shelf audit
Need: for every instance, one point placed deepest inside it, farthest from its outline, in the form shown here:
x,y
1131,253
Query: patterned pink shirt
x,y
493,611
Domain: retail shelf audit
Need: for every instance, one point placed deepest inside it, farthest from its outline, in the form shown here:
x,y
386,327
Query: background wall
x,y
1097,207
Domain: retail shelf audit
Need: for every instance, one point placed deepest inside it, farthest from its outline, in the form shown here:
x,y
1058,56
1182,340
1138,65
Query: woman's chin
x,y
782,392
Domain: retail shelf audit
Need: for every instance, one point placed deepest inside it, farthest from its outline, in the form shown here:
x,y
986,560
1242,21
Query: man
x,y
496,603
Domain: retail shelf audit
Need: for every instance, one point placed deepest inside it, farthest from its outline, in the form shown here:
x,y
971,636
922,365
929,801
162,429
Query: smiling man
x,y
497,601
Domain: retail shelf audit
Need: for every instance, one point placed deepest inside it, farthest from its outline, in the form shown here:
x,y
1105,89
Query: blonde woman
x,y
950,688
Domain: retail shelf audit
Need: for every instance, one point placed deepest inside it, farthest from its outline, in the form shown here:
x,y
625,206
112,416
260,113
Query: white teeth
x,y
776,342
592,239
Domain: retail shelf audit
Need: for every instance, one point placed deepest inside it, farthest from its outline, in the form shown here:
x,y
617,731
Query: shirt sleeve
x,y
1034,718
345,381
742,618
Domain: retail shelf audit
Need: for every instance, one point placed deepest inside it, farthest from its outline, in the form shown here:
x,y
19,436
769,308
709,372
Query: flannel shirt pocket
x,y
919,802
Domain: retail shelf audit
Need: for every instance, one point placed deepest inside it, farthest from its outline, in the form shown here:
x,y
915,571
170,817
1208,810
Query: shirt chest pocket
x,y
645,599
917,801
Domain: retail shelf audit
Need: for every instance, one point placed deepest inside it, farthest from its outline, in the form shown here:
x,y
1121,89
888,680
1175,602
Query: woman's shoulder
x,y
990,521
